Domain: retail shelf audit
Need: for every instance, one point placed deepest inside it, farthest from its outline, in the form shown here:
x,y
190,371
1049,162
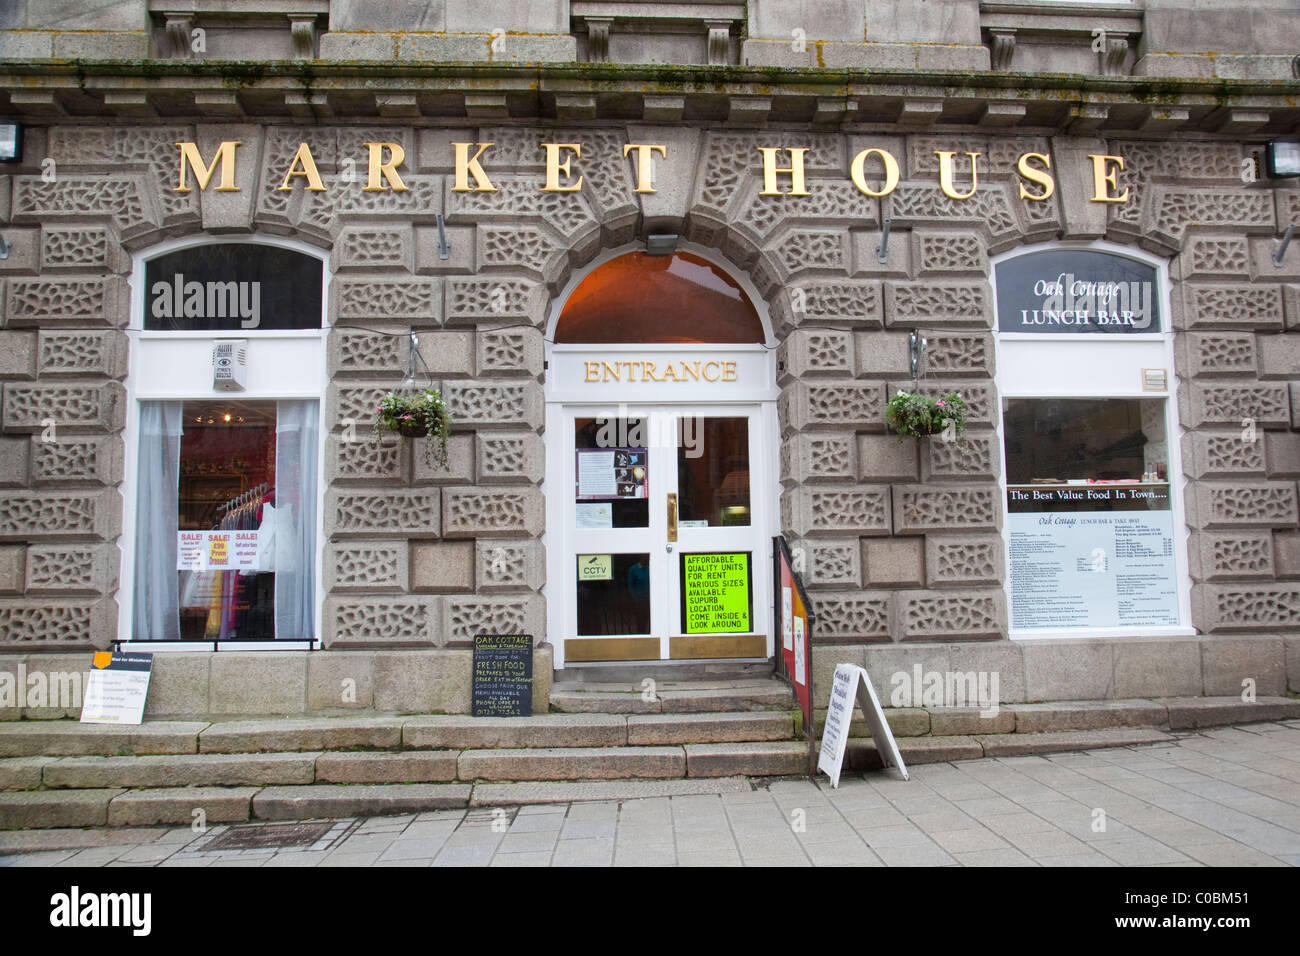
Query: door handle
x,y
672,517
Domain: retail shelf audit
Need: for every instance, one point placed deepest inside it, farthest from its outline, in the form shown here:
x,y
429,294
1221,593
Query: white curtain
x,y
157,617
297,440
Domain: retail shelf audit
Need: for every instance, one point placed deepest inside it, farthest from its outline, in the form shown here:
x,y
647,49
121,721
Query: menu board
x,y
605,474
116,688
502,683
715,593
1097,556
216,550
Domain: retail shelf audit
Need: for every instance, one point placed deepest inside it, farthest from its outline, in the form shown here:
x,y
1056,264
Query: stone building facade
x,y
903,543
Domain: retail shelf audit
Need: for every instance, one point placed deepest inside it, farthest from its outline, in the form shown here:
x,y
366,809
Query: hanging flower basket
x,y
920,415
418,415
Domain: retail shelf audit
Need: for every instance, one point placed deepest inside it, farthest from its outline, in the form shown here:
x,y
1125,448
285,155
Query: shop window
x,y
1090,522
1093,533
226,521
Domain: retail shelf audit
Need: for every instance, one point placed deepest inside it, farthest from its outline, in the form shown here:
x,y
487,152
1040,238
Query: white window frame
x,y
154,355
1045,352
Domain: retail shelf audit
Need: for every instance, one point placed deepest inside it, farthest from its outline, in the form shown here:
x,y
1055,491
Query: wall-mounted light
x,y
11,141
1282,158
5,246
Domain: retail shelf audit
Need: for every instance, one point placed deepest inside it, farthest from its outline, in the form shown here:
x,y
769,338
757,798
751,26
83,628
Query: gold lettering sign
x,y
1034,169
679,370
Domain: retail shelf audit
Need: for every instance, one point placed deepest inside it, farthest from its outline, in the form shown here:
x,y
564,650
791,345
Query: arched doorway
x,y
661,481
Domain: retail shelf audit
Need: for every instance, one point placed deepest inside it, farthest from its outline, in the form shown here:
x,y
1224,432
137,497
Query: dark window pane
x,y
713,472
232,287
613,594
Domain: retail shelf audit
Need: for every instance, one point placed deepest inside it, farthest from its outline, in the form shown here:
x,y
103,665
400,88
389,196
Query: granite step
x,y
666,697
777,758
188,770
566,791
328,801
573,763
32,738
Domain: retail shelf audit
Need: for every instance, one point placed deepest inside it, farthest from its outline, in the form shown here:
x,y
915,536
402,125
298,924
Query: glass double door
x,y
663,542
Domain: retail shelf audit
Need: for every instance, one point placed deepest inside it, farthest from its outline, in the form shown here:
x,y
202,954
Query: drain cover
x,y
273,836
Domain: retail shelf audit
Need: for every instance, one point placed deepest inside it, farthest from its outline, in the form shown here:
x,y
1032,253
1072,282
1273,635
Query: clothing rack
x,y
245,498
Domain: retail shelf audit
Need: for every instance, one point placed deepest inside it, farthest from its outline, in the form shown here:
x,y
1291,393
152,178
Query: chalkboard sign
x,y
503,675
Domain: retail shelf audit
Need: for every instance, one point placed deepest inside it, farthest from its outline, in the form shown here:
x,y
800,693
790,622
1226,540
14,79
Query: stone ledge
x,y
358,800
40,809
177,806
1016,745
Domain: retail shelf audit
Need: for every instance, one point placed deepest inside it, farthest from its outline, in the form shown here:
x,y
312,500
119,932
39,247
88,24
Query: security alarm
x,y
230,365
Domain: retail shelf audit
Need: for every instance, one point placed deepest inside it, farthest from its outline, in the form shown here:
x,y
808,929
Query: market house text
x,y
1037,182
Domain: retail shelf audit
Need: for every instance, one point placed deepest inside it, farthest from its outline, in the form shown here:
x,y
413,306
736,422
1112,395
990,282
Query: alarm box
x,y
230,365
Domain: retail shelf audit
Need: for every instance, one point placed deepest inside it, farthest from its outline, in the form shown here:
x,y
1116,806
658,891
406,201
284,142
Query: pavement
x,y
1222,797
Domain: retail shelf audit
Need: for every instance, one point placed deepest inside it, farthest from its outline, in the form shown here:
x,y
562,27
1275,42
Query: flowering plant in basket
x,y
421,414
920,415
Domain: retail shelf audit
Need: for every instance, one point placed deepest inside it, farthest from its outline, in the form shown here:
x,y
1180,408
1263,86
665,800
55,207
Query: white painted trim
x,y
211,647
130,476
1174,437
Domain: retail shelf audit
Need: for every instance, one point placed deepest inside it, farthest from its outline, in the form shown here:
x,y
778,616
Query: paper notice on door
x,y
800,657
597,514
596,477
787,618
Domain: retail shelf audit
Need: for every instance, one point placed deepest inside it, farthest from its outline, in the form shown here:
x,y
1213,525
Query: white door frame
x,y
752,381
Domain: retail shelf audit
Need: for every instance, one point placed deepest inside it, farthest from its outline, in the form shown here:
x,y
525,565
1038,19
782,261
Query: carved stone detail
x,y
1243,555
1218,306
47,302
1263,403
469,300
1227,455
388,512
469,512
83,460
467,616
1221,353
855,616
1176,209
1272,504
949,615
82,353
74,247
45,515
1256,607
968,456
494,403
939,252
518,196
370,566
374,247
65,568
58,624
963,560
951,353
365,460
837,301
32,407
360,352
409,300
383,621
925,303
915,203
921,508
1217,256
831,563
